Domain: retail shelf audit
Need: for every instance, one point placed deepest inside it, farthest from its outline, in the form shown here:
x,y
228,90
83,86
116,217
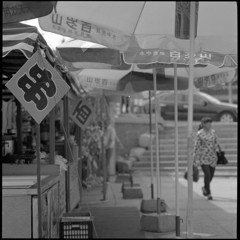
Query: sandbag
x,y
137,152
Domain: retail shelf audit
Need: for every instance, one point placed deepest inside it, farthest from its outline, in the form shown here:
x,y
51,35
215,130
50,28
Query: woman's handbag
x,y
221,157
195,174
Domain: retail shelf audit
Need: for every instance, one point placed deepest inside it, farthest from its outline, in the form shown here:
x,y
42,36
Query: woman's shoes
x,y
204,191
209,197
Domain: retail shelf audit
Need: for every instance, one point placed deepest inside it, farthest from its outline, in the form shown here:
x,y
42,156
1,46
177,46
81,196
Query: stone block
x,y
124,166
150,206
163,222
122,177
132,192
128,185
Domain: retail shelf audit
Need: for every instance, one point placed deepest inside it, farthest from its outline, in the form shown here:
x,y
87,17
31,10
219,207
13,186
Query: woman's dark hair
x,y
206,119
200,126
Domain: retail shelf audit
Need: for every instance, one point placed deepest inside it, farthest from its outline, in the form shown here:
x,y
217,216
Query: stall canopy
x,y
92,64
148,31
20,41
16,11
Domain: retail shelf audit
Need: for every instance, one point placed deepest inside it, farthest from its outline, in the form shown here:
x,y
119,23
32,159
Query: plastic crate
x,y
76,225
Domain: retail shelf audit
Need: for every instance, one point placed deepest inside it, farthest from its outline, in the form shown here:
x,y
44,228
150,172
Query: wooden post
x,y
39,181
79,141
67,155
19,127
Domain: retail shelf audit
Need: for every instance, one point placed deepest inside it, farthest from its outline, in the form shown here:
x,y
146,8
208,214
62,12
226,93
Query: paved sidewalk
x,y
212,219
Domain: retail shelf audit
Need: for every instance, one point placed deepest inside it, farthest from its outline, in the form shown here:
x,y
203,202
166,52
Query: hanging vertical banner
x,y
182,20
82,113
38,87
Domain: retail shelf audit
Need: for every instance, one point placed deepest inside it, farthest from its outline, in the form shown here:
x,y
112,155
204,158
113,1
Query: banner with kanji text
x,y
38,86
82,113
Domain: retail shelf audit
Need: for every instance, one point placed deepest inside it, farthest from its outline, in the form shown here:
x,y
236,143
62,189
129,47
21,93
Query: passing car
x,y
203,105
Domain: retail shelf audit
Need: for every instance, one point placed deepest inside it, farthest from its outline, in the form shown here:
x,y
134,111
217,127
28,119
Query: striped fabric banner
x,y
22,37
19,44
18,36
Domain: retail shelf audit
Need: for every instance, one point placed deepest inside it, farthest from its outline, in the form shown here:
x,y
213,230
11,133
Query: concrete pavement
x,y
211,219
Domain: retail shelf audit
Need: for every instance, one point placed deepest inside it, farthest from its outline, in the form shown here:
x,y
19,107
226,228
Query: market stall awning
x,y
20,42
24,38
16,11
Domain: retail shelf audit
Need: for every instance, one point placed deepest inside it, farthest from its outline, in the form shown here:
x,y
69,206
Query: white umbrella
x,y
146,31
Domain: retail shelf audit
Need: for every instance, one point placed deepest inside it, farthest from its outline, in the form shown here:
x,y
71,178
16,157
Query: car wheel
x,y
226,117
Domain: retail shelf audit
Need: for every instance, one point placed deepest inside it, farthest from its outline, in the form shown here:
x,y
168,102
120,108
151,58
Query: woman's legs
x,y
212,170
208,175
109,153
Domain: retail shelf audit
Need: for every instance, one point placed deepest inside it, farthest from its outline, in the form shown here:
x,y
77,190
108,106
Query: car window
x,y
170,98
209,97
197,99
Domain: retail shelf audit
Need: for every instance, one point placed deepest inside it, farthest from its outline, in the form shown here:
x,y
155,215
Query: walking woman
x,y
204,152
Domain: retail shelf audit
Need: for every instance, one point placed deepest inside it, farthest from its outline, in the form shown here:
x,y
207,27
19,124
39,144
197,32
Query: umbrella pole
x,y
176,151
157,139
190,123
103,154
38,181
151,149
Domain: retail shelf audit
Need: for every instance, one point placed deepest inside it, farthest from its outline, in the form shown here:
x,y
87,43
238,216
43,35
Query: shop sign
x,y
38,87
74,28
97,82
214,80
82,113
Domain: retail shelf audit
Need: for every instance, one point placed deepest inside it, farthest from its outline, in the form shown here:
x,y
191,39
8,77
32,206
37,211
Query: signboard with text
x,y
82,113
215,80
74,28
38,87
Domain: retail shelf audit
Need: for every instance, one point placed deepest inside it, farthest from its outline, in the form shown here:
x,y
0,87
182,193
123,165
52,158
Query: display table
x,y
20,201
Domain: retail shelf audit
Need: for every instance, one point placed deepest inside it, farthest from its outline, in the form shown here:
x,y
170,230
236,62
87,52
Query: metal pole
x,y
157,140
39,181
176,151
151,148
230,98
190,123
103,154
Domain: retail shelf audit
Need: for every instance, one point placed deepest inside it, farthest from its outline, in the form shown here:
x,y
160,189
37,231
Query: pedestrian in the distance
x,y
204,153
109,139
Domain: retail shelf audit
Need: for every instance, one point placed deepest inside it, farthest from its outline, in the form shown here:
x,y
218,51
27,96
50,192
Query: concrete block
x,y
150,206
124,166
128,185
130,192
164,222
122,177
